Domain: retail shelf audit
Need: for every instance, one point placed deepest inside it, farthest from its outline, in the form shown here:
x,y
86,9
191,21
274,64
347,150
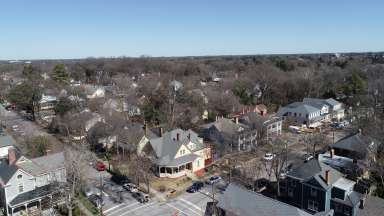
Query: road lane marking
x,y
191,204
137,208
110,209
124,207
172,206
184,205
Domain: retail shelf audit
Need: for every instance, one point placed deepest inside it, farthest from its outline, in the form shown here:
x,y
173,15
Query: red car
x,y
100,166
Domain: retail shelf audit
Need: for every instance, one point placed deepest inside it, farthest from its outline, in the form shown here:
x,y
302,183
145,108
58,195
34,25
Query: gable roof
x,y
298,107
6,140
315,170
166,147
241,202
226,126
355,143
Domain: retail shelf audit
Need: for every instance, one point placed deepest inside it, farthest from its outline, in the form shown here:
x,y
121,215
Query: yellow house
x,y
179,152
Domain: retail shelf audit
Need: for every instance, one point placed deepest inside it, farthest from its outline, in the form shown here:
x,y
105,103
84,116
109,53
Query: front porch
x,y
34,202
174,171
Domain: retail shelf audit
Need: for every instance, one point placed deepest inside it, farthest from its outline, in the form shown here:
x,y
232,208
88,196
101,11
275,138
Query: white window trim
x,y
313,205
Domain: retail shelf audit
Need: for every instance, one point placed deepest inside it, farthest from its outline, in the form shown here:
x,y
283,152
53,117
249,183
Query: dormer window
x,y
20,176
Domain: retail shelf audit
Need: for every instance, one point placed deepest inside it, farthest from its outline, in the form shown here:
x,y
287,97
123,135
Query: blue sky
x,y
35,29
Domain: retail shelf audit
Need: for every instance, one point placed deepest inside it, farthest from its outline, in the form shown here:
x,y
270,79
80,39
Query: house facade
x,y
316,187
30,186
312,112
178,153
270,125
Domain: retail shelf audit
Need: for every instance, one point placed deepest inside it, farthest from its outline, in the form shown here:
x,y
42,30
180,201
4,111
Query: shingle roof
x,y
167,146
51,161
227,126
241,202
298,107
373,206
355,143
167,161
6,140
7,171
313,169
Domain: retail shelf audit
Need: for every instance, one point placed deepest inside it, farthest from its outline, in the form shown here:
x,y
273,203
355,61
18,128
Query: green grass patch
x,y
84,200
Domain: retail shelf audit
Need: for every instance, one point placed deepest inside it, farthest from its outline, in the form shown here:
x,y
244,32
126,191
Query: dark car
x,y
141,197
196,186
96,200
120,179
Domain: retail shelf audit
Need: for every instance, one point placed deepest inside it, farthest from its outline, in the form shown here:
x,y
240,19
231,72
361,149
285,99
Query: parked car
x,y
196,186
213,180
96,200
285,171
91,190
100,166
130,187
307,157
269,156
120,179
141,197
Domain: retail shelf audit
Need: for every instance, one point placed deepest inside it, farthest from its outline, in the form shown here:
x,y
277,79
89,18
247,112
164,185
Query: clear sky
x,y
35,29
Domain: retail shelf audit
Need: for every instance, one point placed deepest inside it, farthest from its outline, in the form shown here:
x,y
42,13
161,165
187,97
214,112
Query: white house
x,y
29,186
178,153
93,91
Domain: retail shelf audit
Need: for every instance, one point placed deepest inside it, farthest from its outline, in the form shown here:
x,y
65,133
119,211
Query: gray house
x,y
30,186
301,114
229,136
237,201
316,187
356,147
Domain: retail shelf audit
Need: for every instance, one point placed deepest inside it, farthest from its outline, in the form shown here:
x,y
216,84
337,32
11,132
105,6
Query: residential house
x,y
85,121
29,186
312,112
267,125
301,114
229,136
356,147
316,187
134,137
93,91
179,152
335,108
46,110
237,201
133,110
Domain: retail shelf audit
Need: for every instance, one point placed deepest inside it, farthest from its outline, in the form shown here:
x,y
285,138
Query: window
x,y
290,192
313,192
313,205
293,183
346,210
21,188
198,163
338,208
19,176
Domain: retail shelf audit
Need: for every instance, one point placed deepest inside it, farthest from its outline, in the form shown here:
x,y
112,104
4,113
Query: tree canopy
x,y
25,96
60,73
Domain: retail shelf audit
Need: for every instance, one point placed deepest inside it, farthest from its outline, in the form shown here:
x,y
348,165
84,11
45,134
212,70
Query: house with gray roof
x,y
316,187
228,136
238,201
355,146
266,125
179,152
29,186
312,111
335,108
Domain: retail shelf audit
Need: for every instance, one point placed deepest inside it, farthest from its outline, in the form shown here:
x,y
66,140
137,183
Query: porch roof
x,y
178,161
34,195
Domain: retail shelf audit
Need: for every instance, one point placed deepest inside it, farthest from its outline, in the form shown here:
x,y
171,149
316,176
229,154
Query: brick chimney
x,y
327,180
332,152
178,137
11,156
161,131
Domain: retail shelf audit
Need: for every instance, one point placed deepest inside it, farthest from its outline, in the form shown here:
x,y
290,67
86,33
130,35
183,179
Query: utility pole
x,y
101,194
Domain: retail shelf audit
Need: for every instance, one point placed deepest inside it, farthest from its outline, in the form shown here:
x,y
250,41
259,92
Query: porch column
x,y
26,208
40,206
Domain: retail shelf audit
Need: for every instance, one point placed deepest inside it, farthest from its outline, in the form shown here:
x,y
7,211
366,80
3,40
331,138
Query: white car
x,y
269,156
130,187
